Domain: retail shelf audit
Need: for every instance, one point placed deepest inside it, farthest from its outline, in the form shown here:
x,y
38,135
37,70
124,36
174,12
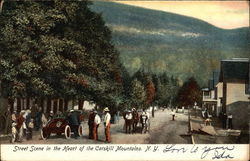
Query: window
x,y
206,93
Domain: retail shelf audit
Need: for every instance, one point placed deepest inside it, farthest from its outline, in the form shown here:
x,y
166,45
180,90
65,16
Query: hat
x,y
129,111
133,109
106,109
95,111
51,112
22,112
71,110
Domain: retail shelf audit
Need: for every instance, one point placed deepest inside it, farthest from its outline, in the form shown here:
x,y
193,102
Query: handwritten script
x,y
205,152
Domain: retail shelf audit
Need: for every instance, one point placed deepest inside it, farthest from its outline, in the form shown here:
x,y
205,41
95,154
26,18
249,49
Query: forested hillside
x,y
166,42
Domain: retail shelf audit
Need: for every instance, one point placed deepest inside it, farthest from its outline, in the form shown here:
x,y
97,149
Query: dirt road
x,y
162,131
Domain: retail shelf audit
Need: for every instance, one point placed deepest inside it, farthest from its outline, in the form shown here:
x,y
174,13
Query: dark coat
x,y
74,118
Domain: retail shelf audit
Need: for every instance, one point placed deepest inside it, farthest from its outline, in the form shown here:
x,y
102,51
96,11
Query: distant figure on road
x,y
107,118
224,120
230,121
173,115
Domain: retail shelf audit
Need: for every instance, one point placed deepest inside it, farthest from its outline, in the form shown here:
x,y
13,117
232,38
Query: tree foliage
x,y
189,93
57,49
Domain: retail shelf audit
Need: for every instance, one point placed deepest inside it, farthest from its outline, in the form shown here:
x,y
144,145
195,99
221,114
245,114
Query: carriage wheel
x,y
67,132
80,130
44,135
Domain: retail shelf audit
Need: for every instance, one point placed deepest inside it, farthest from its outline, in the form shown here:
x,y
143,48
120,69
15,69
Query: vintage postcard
x,y
124,80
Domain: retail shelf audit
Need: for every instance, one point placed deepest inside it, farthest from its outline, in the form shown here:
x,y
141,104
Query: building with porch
x,y
234,80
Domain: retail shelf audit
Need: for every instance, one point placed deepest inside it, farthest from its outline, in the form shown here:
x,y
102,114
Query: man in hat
x,y
107,118
51,115
97,121
74,122
128,121
91,123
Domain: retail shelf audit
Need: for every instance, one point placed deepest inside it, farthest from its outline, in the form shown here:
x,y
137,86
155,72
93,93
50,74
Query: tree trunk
x,y
80,104
55,106
61,105
48,105
28,103
18,104
66,103
153,111
73,103
11,103
42,104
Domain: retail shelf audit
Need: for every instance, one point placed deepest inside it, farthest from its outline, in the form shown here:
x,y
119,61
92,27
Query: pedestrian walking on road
x,y
173,115
97,121
107,118
230,121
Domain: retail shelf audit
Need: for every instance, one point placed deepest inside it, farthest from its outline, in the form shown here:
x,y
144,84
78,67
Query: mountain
x,y
165,42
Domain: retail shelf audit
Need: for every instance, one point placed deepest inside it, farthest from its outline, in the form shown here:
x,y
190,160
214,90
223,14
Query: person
x,y
173,115
20,125
97,121
183,109
128,121
107,118
74,122
118,116
51,115
224,120
44,120
38,119
144,121
91,123
34,110
230,121
14,116
28,123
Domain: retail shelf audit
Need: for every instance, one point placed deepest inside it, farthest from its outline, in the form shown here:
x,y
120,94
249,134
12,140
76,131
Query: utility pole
x,y
1,5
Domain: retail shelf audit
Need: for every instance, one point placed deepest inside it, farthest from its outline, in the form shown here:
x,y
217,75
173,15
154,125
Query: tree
x,y
189,93
138,93
57,49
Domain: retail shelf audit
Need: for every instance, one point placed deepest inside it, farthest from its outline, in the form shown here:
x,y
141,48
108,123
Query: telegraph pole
x,y
1,5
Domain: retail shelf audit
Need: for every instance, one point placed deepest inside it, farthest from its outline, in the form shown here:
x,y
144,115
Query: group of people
x,y
22,125
23,122
94,121
132,118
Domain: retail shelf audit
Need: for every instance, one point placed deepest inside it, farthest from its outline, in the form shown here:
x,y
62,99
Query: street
x,y
162,131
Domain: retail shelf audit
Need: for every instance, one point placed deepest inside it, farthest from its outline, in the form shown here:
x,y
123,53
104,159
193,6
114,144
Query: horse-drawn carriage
x,y
59,126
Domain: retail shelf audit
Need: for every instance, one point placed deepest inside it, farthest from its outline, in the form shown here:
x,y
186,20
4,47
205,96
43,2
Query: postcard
x,y
124,80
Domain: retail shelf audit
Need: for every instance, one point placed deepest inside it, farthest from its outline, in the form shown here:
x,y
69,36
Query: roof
x,y
235,70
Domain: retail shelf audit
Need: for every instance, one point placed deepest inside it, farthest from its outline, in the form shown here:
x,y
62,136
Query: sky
x,y
223,14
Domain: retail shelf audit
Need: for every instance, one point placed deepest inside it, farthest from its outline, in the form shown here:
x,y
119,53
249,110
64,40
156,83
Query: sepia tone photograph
x,y
124,72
